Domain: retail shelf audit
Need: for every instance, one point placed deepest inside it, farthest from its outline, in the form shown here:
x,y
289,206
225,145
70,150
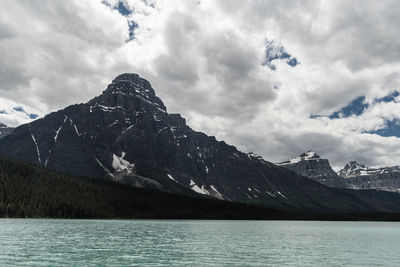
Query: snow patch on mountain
x,y
172,178
112,124
197,189
309,155
270,193
120,164
253,155
76,128
282,195
59,129
37,148
213,188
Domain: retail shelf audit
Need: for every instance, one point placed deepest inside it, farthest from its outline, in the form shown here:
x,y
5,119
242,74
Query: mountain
x,y
353,168
126,135
5,130
359,176
311,165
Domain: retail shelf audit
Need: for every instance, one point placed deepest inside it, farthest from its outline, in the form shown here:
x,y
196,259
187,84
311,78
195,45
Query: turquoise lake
x,y
31,242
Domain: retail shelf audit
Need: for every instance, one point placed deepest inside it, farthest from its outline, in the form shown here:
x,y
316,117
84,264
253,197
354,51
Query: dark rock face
x,y
359,176
126,135
5,130
311,165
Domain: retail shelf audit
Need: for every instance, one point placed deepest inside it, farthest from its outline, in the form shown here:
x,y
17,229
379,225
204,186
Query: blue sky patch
x,y
356,107
19,109
30,115
276,51
389,98
392,128
123,9
359,105
132,26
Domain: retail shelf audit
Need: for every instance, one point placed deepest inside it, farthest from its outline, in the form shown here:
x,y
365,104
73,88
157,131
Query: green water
x,y
28,242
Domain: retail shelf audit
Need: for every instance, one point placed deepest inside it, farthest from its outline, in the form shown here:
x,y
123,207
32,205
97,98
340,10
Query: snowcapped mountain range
x,y
353,168
309,155
127,136
359,176
354,175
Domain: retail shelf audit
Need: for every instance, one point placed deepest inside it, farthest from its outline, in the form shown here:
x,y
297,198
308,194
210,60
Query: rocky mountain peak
x,y
352,168
309,155
131,82
354,165
311,165
359,176
129,91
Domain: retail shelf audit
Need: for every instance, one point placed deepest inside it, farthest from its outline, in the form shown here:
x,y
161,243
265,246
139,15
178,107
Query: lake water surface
x,y
30,242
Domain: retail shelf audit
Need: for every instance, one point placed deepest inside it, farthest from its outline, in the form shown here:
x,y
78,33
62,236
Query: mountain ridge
x,y
126,135
353,175
360,176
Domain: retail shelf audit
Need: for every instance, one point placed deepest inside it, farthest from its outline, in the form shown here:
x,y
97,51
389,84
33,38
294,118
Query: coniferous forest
x,y
32,191
27,190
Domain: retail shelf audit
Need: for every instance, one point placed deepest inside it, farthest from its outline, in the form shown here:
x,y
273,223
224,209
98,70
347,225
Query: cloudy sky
x,y
273,77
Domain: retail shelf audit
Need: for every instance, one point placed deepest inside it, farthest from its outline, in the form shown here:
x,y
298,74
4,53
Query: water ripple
x,y
29,242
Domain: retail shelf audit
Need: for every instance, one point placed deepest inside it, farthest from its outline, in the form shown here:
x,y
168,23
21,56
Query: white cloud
x,y
204,60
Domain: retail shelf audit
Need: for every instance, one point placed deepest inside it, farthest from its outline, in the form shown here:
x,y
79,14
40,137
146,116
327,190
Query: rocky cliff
x,y
311,165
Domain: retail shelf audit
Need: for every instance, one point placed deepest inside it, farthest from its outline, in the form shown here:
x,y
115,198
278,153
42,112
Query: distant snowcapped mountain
x,y
353,168
309,155
13,114
311,165
354,175
5,130
359,176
